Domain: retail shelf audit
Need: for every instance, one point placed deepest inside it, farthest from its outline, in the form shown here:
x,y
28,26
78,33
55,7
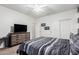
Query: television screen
x,y
20,28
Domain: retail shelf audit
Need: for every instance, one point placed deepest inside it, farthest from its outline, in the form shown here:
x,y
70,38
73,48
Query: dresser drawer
x,y
17,38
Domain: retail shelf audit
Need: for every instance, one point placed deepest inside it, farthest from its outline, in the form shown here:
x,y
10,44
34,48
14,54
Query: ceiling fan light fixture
x,y
37,7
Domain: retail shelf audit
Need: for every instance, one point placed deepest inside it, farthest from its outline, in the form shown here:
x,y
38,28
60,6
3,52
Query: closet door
x,y
65,28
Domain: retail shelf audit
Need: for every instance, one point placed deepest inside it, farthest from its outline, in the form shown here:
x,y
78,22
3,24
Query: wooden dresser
x,y
19,37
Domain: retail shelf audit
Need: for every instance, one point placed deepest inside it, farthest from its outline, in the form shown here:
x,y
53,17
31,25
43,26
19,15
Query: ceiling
x,y
40,10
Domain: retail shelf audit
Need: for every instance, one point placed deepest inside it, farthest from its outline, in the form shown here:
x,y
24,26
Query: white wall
x,y
54,22
9,17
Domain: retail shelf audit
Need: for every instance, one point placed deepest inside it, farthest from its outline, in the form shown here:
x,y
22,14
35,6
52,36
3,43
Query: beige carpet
x,y
9,51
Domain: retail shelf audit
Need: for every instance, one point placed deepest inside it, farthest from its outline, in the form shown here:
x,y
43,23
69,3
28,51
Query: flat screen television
x,y
20,28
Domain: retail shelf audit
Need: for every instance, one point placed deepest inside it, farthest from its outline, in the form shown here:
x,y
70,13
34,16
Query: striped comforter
x,y
46,46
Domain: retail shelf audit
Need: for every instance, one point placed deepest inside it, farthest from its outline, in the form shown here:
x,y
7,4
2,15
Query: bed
x,y
50,46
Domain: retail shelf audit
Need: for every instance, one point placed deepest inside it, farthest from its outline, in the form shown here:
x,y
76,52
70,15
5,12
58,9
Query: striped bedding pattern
x,y
46,46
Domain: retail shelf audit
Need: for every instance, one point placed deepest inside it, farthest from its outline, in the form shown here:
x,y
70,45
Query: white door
x,y
65,28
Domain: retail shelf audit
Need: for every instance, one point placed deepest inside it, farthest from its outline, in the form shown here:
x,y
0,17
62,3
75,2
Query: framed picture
x,y
47,28
12,29
43,24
